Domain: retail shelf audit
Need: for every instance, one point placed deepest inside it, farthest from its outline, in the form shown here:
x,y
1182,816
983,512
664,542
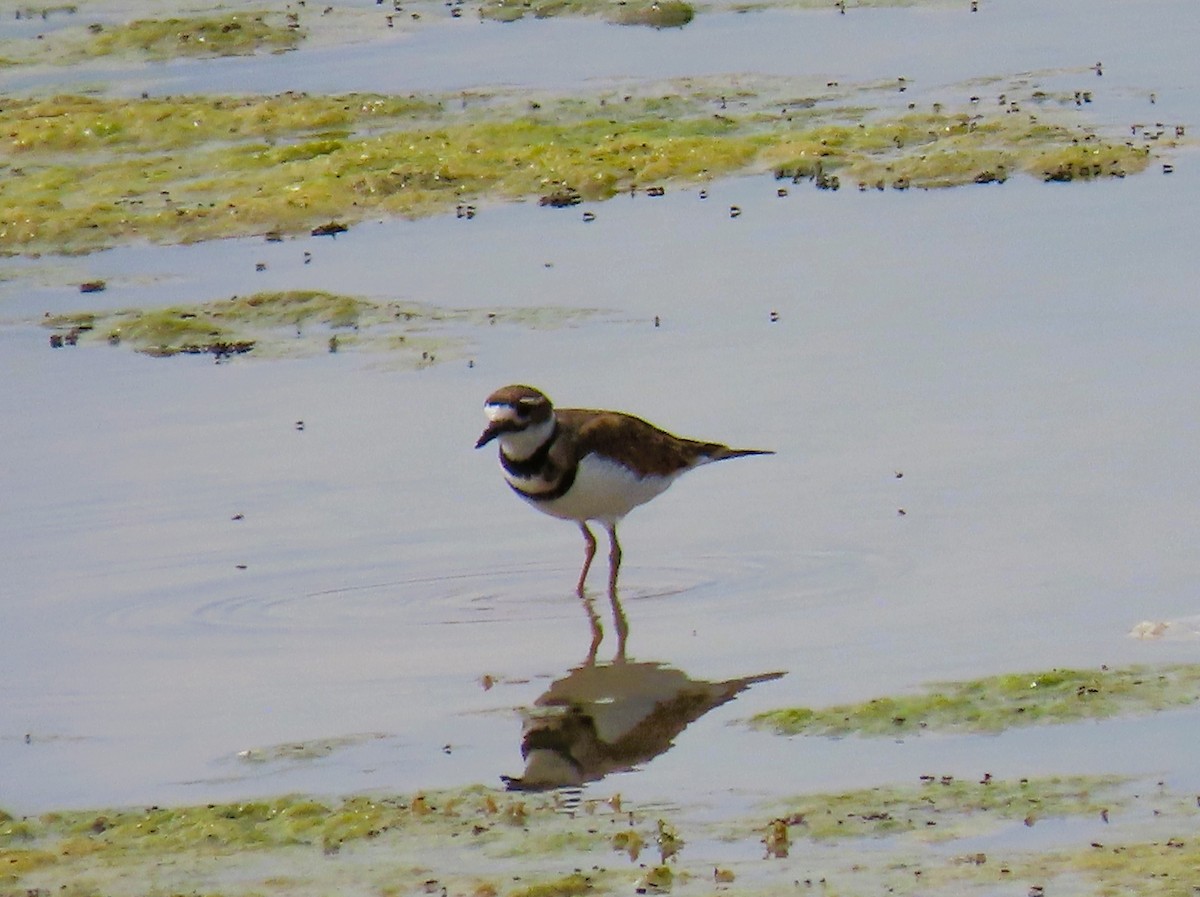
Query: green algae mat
x,y
940,835
80,173
296,323
81,35
88,30
995,703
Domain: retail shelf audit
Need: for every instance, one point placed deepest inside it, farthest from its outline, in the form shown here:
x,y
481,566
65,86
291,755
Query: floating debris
x,y
220,349
332,229
561,198
668,841
776,841
657,880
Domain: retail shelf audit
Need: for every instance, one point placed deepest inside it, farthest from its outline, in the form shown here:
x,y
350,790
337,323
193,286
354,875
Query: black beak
x,y
493,430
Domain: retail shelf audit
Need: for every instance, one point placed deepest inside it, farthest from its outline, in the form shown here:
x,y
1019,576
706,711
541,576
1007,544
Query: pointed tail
x,y
722,452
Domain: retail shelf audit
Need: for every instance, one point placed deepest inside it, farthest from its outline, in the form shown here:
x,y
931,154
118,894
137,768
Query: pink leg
x,y
590,543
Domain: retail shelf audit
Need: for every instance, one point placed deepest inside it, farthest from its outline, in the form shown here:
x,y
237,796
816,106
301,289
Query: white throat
x,y
520,444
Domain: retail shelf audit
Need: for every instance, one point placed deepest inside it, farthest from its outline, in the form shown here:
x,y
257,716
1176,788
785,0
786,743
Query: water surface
x,y
1024,355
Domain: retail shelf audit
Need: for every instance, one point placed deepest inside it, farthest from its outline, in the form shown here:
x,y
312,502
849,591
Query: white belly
x,y
604,490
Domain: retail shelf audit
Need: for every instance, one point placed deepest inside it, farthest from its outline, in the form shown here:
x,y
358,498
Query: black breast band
x,y
564,484
533,465
538,465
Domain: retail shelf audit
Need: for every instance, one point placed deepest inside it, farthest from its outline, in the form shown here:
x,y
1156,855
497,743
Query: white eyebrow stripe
x,y
497,412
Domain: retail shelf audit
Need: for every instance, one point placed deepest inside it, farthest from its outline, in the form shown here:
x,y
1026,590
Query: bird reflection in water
x,y
610,717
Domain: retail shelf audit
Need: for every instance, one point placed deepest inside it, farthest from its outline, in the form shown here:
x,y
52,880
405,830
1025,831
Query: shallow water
x,y
1144,47
1025,355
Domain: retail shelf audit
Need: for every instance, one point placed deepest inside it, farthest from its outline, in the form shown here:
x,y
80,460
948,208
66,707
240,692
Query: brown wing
x,y
639,444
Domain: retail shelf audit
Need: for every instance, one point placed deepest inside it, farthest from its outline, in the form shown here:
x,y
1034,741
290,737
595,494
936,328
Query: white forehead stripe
x,y
497,412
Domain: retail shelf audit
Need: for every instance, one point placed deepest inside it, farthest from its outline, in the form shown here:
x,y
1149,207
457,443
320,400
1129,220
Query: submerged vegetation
x,y
945,807
100,849
292,322
84,29
948,836
937,836
81,173
995,703
655,13
220,33
227,35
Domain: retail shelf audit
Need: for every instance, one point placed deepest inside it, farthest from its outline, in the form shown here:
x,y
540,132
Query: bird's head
x,y
514,409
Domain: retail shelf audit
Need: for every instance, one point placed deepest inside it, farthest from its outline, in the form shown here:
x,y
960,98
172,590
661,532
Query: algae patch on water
x,y
294,322
81,173
282,843
1162,867
212,34
231,35
943,807
937,836
995,703
311,749
468,841
655,13
944,835
943,149
951,836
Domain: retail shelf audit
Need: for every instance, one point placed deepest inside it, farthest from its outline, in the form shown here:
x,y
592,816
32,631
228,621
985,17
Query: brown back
x,y
635,442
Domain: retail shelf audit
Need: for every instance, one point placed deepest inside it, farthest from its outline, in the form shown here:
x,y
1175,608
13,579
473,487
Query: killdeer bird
x,y
579,464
